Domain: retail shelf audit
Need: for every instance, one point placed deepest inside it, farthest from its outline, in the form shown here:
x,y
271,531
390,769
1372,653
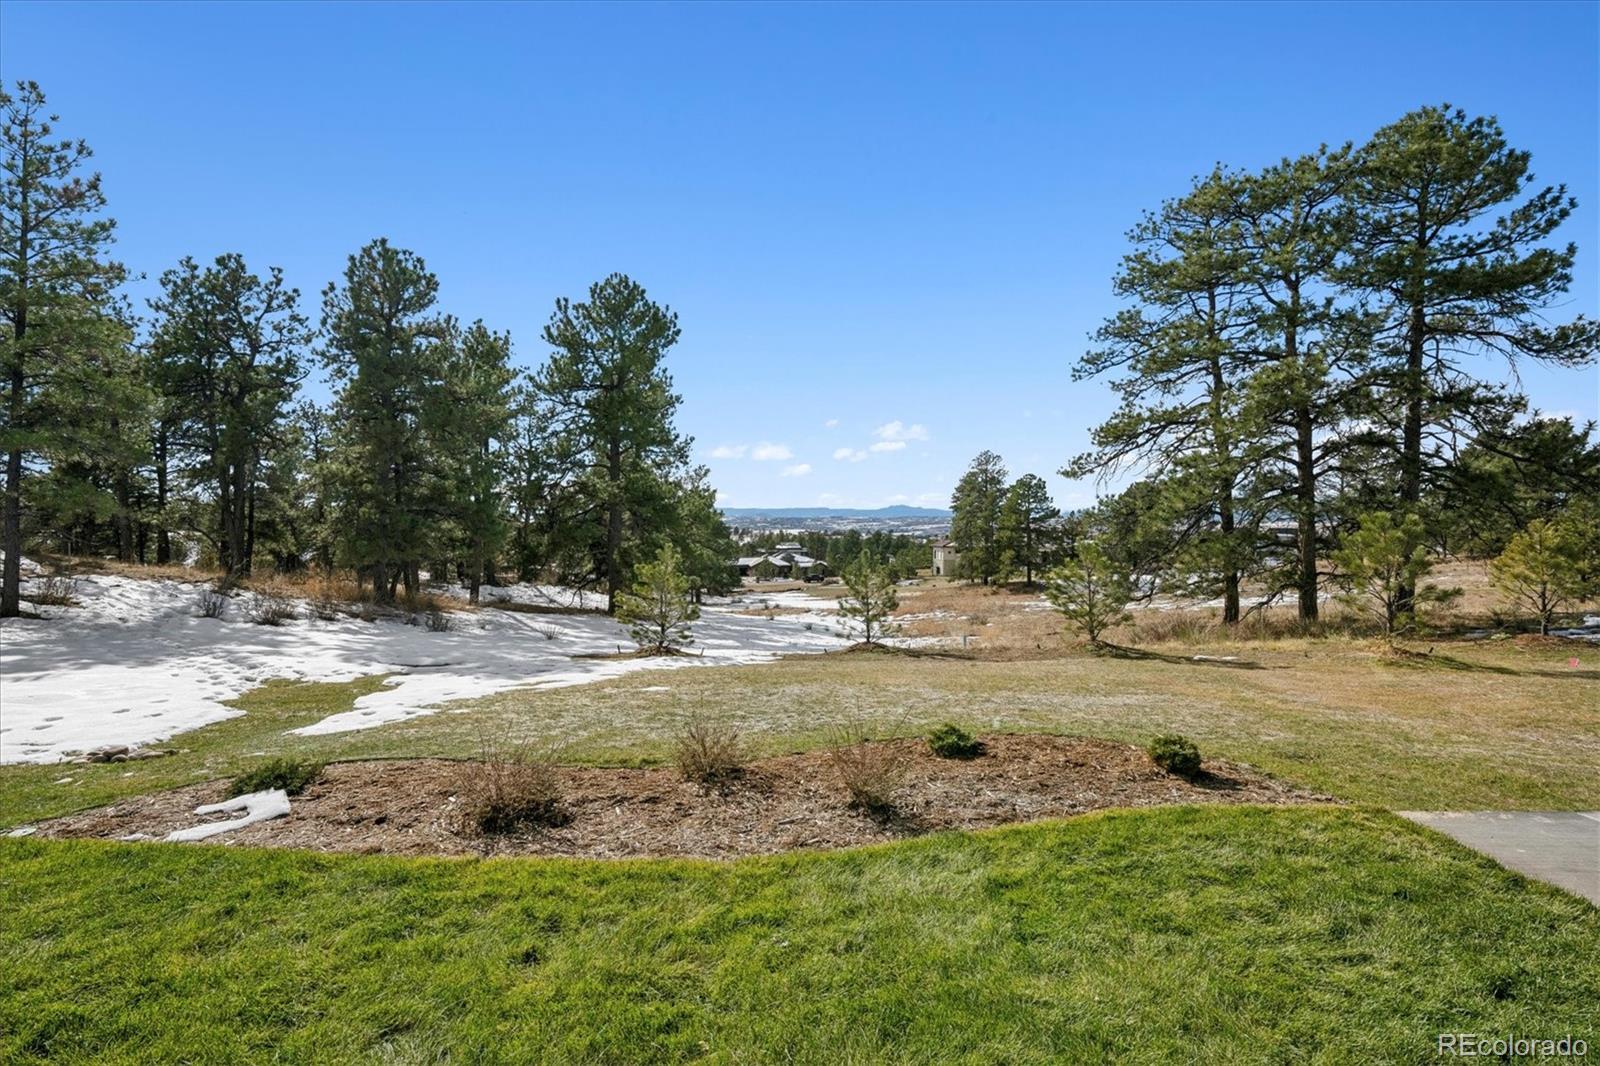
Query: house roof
x,y
787,558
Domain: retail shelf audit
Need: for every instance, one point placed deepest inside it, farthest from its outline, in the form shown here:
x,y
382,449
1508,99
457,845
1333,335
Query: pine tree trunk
x,y
248,562
11,538
613,524
1230,575
476,567
11,521
1411,442
1306,512
163,539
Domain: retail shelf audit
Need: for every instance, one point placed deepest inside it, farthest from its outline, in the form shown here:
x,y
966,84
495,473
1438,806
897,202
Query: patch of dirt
x,y
779,804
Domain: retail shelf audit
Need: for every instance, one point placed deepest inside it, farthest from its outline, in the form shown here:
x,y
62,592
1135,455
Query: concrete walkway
x,y
1561,847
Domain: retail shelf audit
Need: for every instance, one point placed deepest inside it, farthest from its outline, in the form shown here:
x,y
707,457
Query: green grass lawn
x,y
1487,725
1234,935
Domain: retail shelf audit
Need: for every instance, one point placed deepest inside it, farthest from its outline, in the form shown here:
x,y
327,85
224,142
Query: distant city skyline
x,y
887,230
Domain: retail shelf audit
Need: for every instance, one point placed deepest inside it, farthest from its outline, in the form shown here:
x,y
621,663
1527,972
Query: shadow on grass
x,y
1119,651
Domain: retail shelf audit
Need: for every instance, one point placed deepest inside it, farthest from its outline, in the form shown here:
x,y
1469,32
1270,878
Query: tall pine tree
x,y
1449,240
975,516
383,347
62,323
613,398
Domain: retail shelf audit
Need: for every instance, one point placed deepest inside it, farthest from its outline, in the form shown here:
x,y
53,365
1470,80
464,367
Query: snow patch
x,y
257,807
135,663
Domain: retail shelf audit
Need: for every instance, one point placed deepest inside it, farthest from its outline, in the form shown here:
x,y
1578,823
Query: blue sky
x,y
887,230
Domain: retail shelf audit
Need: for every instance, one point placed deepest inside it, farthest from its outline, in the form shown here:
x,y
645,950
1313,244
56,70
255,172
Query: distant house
x,y
787,560
946,560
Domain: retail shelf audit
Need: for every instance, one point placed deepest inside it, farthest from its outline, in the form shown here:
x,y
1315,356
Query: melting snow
x,y
134,664
257,807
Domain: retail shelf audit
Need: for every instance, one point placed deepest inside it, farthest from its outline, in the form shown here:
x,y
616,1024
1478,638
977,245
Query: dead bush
x,y
710,755
57,590
513,785
269,607
211,603
871,772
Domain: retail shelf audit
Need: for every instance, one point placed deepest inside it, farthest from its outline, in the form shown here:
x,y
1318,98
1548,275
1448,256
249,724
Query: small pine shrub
x,y
512,786
1175,754
211,603
709,755
952,742
291,775
871,773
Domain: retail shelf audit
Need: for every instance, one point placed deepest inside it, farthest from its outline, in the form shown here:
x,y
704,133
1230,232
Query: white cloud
x,y
769,452
797,470
729,451
832,423
898,430
888,445
854,455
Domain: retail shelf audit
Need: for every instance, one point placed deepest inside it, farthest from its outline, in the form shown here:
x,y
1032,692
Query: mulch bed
x,y
779,804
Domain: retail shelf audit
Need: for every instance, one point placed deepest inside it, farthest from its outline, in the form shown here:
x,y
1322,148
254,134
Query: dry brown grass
x,y
1013,623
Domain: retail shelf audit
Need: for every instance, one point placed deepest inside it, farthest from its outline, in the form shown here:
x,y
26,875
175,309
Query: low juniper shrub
x,y
1175,754
950,741
291,775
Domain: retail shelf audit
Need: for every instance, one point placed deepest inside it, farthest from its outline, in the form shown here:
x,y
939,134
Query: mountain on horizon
x,y
898,510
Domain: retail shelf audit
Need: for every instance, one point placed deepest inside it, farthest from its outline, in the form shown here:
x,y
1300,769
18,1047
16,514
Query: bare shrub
x,y
512,785
269,607
211,603
709,755
547,632
437,621
57,590
871,772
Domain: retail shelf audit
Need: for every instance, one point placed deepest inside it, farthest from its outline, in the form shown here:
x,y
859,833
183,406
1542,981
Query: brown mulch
x,y
779,804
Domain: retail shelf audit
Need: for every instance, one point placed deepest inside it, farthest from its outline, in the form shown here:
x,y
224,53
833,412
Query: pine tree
x,y
1293,227
1381,563
1090,592
1184,352
872,598
1541,568
476,410
1025,517
383,349
62,323
1449,240
659,609
611,394
975,516
226,353
708,548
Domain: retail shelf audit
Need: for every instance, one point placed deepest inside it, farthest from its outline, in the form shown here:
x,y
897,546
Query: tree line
x,y
1300,356
902,554
182,435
